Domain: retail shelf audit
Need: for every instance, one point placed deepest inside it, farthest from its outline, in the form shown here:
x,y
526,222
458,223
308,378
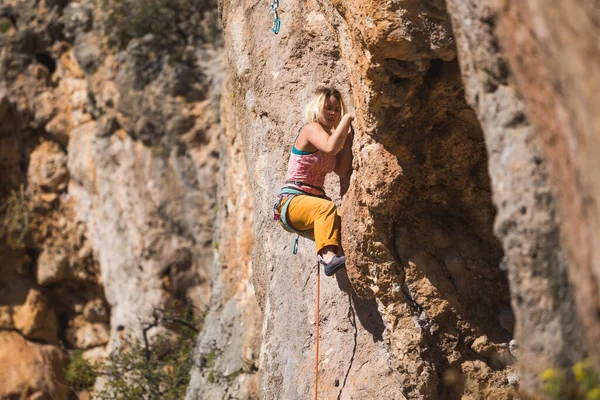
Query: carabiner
x,y
276,25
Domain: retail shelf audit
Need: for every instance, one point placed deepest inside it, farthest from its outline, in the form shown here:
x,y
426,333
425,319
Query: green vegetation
x,y
80,374
231,377
172,23
15,217
4,26
581,383
209,359
141,369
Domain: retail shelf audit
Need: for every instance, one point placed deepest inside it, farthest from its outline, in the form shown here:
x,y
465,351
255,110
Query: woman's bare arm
x,y
315,136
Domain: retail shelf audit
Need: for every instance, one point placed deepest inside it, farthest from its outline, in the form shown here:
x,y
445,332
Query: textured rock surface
x,y
143,172
548,332
85,335
35,319
420,221
36,218
228,348
30,370
113,133
418,231
114,143
285,284
556,64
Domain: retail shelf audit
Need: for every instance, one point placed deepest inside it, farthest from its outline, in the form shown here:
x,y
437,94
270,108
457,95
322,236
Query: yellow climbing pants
x,y
317,215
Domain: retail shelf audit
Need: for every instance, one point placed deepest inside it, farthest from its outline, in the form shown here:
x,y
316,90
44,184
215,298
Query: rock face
x,y
48,272
354,358
447,160
560,90
469,223
109,154
143,171
418,213
31,370
228,349
548,332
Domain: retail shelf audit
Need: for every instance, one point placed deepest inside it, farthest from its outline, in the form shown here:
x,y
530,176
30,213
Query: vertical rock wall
x,y
447,161
417,218
419,238
269,86
548,331
143,171
229,346
111,131
555,57
50,288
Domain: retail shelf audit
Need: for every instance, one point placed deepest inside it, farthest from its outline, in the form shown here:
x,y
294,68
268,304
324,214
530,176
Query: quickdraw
x,y
276,20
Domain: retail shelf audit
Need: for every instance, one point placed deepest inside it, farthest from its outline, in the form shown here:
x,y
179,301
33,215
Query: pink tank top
x,y
310,168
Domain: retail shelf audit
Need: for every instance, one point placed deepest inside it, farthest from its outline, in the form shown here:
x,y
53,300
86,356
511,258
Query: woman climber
x,y
322,146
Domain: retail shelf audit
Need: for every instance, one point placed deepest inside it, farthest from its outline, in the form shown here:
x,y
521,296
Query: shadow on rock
x,y
365,309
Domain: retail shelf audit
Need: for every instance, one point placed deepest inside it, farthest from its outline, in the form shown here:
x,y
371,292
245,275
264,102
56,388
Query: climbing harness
x,y
276,20
298,183
317,333
286,195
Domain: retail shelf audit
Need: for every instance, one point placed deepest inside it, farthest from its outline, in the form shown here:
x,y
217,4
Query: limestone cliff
x,y
450,221
227,355
109,151
135,173
556,64
548,331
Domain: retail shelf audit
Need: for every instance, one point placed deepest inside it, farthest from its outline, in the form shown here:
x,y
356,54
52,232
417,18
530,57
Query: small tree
x,y
143,369
15,217
80,374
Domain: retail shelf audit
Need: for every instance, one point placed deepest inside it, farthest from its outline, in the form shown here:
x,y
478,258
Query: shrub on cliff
x,y
80,374
4,26
15,218
142,369
581,383
173,24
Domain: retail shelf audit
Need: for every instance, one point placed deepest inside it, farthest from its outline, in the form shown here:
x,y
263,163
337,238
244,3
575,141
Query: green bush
x,y
15,217
144,370
171,22
4,26
132,376
233,376
80,375
580,383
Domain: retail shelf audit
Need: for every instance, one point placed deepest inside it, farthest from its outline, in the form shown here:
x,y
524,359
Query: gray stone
x,y
52,265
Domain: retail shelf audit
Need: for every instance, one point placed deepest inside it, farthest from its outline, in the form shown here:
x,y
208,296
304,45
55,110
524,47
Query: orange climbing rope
x,y
317,334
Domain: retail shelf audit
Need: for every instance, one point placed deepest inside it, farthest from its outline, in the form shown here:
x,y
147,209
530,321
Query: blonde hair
x,y
314,109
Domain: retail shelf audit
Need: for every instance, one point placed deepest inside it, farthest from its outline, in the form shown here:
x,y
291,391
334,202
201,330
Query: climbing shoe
x,y
336,263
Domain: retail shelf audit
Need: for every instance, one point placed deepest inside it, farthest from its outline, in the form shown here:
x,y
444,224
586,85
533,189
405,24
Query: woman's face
x,y
332,111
